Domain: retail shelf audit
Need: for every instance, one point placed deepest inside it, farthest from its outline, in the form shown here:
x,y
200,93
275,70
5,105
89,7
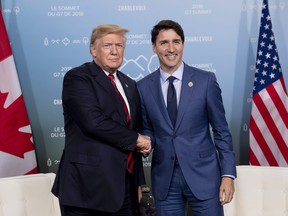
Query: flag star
x,y
270,46
267,55
265,64
272,75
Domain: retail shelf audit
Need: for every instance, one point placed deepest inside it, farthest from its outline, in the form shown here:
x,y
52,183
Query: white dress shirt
x,y
177,82
120,89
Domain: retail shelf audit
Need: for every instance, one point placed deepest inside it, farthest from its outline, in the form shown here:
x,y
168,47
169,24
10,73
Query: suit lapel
x,y
102,79
128,94
156,92
186,92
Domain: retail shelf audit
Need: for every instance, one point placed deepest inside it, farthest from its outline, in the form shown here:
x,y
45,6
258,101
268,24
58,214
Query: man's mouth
x,y
171,56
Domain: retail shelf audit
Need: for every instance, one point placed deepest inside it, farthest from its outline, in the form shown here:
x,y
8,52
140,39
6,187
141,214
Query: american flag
x,y
269,115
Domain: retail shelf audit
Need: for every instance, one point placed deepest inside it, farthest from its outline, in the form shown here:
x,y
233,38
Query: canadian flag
x,y
17,154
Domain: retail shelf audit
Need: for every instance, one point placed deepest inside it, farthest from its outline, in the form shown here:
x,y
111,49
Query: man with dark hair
x,y
179,105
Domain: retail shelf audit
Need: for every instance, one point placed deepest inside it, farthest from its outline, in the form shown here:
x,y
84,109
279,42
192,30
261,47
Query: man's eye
x,y
107,46
119,46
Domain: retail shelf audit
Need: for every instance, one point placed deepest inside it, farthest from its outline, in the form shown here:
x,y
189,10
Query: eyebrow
x,y
174,40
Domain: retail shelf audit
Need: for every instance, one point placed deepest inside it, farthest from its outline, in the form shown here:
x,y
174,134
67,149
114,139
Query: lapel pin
x,y
190,84
126,85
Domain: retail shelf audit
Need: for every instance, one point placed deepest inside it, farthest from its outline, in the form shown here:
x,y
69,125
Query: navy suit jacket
x,y
203,155
93,165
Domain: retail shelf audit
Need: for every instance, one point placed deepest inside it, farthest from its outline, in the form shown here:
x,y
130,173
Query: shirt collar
x,y
114,74
178,73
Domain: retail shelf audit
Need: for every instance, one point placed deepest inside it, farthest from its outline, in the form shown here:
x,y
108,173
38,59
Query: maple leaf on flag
x,y
13,118
17,154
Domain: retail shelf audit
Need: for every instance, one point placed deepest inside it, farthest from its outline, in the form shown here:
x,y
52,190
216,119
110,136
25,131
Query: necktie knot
x,y
111,77
171,79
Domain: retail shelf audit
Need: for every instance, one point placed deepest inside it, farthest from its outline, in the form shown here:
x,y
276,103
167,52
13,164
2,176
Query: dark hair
x,y
166,25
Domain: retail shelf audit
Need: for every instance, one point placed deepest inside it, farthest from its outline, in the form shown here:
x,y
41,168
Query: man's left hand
x,y
226,190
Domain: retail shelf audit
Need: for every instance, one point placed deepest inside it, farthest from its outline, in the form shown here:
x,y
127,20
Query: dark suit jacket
x,y
93,165
200,106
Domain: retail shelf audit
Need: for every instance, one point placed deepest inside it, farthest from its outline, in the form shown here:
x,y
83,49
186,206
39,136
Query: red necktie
x,y
130,159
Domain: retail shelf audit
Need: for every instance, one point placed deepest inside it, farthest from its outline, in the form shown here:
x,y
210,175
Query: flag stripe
x,y
262,144
253,159
279,98
256,154
4,45
270,124
259,124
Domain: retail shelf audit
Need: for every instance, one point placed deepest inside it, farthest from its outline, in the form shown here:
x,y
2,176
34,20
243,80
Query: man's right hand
x,y
143,144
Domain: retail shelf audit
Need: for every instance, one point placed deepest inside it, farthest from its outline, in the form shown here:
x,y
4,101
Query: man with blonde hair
x,y
101,166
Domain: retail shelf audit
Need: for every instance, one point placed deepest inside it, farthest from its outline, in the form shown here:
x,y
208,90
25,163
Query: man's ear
x,y
154,48
93,50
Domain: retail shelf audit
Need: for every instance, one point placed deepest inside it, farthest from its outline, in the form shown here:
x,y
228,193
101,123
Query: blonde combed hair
x,y
105,29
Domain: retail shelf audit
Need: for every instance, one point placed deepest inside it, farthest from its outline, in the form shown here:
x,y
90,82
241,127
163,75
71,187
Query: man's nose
x,y
114,49
170,47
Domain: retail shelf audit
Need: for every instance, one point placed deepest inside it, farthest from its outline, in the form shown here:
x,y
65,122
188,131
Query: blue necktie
x,y
172,100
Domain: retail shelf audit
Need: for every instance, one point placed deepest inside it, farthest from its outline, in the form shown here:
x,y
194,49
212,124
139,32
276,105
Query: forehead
x,y
168,34
113,37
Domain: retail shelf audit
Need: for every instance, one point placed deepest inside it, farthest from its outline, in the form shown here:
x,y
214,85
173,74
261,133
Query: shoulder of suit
x,y
125,77
82,67
197,71
80,70
154,75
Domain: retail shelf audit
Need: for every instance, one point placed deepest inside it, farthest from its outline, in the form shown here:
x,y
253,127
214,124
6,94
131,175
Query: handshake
x,y
143,144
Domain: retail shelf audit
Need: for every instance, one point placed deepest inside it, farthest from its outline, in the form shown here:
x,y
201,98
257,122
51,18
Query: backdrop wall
x,y
50,37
